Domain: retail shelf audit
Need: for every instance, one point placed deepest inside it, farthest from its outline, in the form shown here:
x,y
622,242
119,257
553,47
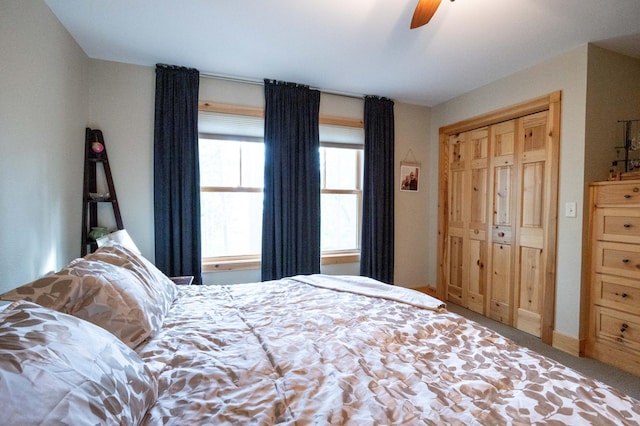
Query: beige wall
x,y
43,111
412,221
411,133
51,91
568,73
613,93
122,106
598,88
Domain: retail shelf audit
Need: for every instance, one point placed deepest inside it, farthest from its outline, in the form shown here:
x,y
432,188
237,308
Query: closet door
x,y
467,229
502,201
533,209
456,220
497,214
497,236
476,283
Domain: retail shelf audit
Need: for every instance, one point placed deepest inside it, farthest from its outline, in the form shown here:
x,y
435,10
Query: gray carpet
x,y
623,381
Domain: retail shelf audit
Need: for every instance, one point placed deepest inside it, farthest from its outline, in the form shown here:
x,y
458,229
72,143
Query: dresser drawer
x,y
616,292
618,194
617,327
617,224
617,259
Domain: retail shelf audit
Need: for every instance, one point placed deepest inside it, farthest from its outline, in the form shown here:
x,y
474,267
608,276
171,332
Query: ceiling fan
x,y
424,12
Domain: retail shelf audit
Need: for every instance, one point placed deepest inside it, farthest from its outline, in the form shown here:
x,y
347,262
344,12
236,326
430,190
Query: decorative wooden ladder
x,y
95,153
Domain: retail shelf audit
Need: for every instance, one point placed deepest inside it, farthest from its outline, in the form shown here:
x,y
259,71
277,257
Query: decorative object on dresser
x,y
614,319
95,154
627,167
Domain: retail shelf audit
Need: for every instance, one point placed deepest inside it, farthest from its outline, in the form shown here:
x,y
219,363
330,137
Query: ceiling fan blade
x,y
424,12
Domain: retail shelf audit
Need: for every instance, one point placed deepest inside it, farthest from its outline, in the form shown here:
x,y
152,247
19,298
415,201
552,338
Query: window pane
x,y
341,168
339,222
252,164
231,223
219,163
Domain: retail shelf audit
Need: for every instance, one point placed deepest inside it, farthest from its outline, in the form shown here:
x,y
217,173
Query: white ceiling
x,y
360,47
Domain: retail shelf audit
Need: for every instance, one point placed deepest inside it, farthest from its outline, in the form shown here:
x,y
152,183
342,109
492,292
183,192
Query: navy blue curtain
x,y
176,172
291,213
376,250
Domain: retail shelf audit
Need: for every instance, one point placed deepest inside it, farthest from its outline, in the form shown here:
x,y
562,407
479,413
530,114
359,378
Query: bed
x,y
110,340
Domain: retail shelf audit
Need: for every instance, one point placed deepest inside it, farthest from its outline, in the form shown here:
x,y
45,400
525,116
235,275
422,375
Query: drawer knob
x,y
624,295
627,225
625,260
623,328
500,234
627,196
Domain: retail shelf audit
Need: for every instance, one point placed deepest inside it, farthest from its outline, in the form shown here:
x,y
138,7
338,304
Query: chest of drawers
x,y
614,306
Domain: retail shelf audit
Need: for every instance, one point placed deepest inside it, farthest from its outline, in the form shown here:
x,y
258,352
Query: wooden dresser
x,y
614,315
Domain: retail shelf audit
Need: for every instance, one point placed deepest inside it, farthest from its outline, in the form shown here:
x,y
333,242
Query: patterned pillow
x,y
58,369
162,289
101,293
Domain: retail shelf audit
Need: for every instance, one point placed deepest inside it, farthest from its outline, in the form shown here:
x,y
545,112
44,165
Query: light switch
x,y
570,209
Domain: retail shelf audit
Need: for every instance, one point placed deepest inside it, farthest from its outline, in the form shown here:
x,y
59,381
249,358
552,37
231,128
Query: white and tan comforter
x,y
297,351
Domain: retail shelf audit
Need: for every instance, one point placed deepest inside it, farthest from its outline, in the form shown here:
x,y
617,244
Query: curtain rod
x,y
261,83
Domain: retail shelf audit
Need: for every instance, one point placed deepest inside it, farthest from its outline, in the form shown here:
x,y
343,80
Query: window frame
x,y
236,262
252,262
346,256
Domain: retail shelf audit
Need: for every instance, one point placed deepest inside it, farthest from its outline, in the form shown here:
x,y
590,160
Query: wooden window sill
x,y
253,262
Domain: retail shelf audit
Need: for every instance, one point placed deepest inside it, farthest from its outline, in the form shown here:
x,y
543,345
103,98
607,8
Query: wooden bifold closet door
x,y
497,214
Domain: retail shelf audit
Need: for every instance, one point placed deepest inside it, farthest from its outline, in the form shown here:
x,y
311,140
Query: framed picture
x,y
409,176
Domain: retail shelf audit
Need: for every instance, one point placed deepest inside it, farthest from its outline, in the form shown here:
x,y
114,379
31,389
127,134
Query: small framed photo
x,y
409,176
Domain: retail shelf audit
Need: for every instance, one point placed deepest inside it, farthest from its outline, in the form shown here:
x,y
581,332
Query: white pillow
x,y
122,237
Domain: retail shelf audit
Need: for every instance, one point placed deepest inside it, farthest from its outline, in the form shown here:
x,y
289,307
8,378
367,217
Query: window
x,y
341,198
231,178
